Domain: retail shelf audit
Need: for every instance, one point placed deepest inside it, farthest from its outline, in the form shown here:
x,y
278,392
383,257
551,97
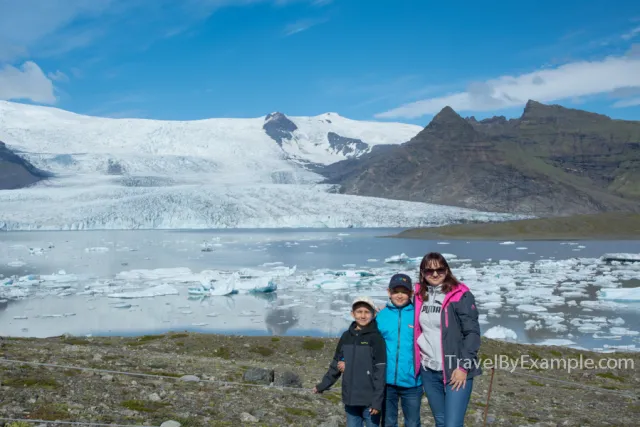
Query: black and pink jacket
x,y
459,332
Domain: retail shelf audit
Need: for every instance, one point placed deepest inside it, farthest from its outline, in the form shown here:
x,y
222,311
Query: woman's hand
x,y
374,411
341,366
315,390
458,379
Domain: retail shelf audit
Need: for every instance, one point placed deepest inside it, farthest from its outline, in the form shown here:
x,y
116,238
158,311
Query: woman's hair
x,y
449,280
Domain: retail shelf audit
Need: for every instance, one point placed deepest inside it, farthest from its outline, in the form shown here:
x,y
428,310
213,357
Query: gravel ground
x,y
223,395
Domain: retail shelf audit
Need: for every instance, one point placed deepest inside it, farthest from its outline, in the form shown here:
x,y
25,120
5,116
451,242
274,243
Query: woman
x,y
446,340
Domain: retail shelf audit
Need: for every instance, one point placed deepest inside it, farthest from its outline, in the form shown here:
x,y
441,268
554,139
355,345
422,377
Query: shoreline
x,y
606,226
141,380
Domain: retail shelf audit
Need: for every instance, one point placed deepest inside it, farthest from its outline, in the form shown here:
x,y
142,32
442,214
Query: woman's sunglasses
x,y
430,271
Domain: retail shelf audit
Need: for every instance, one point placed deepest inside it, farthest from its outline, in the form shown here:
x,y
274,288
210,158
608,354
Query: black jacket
x,y
365,356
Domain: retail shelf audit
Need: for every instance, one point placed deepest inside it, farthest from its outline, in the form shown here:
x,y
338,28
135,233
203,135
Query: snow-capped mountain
x,y
134,173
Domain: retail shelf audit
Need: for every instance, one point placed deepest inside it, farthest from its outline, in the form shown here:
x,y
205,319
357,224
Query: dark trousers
x,y
410,400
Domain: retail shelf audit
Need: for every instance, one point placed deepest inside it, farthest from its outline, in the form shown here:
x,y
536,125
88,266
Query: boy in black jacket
x,y
363,350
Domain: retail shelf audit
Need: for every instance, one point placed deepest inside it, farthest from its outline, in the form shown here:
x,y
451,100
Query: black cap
x,y
400,280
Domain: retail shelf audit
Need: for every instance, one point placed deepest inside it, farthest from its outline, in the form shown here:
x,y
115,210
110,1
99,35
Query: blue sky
x,y
364,59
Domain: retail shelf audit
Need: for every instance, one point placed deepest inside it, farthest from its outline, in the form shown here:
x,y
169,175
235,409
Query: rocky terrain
x,y
550,161
15,172
210,380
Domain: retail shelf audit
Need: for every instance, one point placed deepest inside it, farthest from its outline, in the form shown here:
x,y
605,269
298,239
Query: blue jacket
x,y
396,326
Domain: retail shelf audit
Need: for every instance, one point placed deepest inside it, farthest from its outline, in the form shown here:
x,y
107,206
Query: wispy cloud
x,y
302,25
627,103
631,34
58,76
577,79
26,83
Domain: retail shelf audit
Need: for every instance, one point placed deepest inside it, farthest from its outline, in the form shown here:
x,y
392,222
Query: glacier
x,y
201,174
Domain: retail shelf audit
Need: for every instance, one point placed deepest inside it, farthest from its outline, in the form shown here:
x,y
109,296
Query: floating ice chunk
x,y
532,324
154,291
617,330
398,259
618,321
621,257
122,305
16,264
272,264
212,315
492,305
97,250
157,274
507,243
601,305
343,234
443,243
528,308
620,294
372,260
36,251
20,317
521,248
501,333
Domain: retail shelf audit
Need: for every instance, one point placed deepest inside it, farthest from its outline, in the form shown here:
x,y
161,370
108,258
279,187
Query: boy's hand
x,y
341,366
374,411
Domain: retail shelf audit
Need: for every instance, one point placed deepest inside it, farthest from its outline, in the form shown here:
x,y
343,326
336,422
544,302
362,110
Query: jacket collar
x,y
371,327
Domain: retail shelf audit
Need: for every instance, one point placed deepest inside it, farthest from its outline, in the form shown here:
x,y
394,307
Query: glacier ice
x,y
217,173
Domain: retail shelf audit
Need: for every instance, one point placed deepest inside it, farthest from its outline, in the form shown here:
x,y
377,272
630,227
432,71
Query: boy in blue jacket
x,y
395,323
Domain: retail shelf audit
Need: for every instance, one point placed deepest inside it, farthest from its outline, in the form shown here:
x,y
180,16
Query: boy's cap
x,y
400,280
365,300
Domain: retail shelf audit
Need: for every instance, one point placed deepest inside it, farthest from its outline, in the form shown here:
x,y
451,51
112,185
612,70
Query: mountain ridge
x,y
551,161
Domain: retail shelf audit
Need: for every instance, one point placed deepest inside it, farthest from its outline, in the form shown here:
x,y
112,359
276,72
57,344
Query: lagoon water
x,y
137,282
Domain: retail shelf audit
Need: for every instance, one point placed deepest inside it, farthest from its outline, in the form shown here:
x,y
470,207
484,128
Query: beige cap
x,y
367,300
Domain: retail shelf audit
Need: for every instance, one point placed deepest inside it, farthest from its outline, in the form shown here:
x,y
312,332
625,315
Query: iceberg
x,y
155,291
501,333
620,294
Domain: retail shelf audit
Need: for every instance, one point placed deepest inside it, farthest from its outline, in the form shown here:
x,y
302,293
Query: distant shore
x,y
606,226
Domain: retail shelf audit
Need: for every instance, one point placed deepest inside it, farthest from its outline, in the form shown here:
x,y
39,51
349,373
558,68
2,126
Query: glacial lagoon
x,y
301,282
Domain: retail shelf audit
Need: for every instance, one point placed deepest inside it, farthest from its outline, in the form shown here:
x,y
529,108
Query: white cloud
x,y
302,25
58,76
631,34
26,83
25,23
627,103
568,81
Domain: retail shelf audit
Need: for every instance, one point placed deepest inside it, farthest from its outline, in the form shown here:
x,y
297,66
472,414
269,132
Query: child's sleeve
x,y
333,373
379,372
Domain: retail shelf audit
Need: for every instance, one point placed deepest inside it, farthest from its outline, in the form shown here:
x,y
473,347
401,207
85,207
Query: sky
x,y
380,60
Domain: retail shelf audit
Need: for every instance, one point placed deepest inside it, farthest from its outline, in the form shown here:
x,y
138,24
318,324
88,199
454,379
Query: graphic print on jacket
x,y
430,320
396,327
365,356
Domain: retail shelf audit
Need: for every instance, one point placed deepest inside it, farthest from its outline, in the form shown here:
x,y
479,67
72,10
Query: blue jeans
x,y
448,406
357,415
410,399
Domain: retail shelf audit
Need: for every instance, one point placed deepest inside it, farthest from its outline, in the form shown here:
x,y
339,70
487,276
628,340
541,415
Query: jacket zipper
x,y
395,380
445,309
353,358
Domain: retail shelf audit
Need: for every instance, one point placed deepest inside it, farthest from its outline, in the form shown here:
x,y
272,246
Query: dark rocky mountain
x,y
279,127
15,172
550,161
347,146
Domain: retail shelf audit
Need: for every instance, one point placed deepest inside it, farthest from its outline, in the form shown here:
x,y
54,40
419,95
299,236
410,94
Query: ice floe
x,y
620,294
501,333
